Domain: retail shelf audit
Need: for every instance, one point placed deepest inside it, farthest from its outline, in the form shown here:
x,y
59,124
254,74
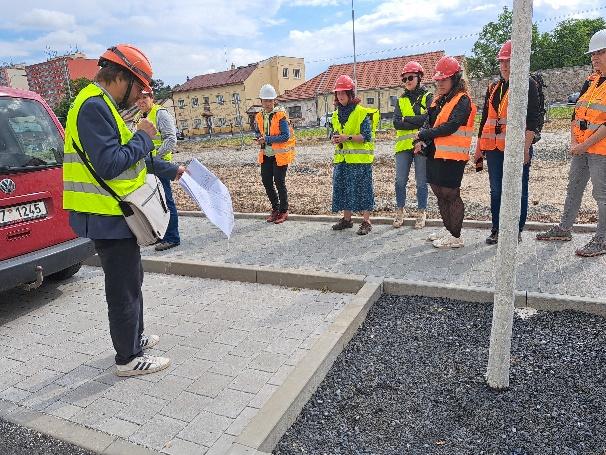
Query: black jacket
x,y
412,122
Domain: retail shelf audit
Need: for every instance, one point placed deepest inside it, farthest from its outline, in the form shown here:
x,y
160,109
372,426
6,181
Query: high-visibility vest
x,y
152,116
285,151
490,140
81,192
455,146
404,138
353,152
591,108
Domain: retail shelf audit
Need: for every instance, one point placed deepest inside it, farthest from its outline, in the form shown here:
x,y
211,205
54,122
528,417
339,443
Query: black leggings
x,y
272,173
451,207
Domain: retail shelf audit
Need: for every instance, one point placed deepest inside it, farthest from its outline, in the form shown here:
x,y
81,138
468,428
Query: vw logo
x,y
7,186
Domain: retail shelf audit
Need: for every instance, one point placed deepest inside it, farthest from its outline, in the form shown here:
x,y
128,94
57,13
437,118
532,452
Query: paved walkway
x,y
549,267
231,345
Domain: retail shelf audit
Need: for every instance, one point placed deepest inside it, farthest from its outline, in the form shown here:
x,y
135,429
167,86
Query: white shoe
x,y
144,364
148,341
437,235
449,241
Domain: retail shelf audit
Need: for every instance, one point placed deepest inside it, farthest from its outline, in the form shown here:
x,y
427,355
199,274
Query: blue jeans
x,y
172,232
403,162
495,173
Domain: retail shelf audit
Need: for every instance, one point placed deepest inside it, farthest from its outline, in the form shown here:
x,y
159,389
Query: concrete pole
x,y
353,34
505,281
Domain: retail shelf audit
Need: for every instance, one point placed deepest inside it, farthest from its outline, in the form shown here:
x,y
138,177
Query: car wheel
x,y
65,273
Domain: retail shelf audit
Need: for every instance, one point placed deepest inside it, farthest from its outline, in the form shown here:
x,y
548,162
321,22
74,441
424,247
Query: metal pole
x,y
237,101
499,354
353,30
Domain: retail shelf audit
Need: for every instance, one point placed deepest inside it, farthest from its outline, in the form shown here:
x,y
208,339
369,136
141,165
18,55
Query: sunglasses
x,y
408,78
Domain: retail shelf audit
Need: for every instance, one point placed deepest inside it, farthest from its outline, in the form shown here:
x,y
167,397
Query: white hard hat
x,y
268,92
597,42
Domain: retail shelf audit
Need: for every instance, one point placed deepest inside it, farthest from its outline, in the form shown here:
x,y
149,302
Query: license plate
x,y
23,212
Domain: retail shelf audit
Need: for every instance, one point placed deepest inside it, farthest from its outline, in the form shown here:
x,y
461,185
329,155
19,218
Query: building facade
x,y
14,76
225,101
50,78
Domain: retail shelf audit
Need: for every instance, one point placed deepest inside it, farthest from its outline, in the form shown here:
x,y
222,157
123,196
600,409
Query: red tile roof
x,y
370,74
229,77
82,67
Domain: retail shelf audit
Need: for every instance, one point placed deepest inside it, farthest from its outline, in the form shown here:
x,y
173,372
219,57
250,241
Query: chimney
x,y
233,67
187,78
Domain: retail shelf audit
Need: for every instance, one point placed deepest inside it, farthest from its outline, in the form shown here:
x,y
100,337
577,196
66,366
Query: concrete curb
x,y
469,224
536,300
93,440
279,413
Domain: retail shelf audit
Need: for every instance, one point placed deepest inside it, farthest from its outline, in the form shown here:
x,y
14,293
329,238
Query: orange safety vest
x,y
285,151
456,146
591,108
490,140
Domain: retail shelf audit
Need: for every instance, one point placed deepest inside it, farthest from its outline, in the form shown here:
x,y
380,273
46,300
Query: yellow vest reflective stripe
x,y
81,192
404,138
591,110
353,152
152,116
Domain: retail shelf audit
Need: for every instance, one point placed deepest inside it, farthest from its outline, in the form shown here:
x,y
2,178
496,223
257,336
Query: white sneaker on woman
x,y
437,235
449,241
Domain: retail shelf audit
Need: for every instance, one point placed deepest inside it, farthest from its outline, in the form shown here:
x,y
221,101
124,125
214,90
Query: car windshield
x,y
29,138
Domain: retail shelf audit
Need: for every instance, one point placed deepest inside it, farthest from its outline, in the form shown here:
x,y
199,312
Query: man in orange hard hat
x,y
100,147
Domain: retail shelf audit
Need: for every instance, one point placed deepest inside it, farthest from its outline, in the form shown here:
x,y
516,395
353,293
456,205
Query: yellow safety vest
x,y
81,192
353,152
404,138
152,116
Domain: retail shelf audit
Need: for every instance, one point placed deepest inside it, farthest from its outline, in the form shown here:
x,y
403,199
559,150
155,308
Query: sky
x,y
188,38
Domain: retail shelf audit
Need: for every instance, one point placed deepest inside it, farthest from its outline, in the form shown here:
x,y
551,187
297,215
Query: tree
x,y
483,61
63,107
161,91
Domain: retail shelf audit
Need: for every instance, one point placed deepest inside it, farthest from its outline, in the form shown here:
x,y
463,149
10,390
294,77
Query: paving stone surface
x,y
547,267
56,356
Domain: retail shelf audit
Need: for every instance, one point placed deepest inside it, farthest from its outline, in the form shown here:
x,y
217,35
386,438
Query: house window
x,y
194,102
206,100
296,73
393,100
238,120
235,97
197,122
184,124
220,100
221,122
285,72
370,100
295,112
181,104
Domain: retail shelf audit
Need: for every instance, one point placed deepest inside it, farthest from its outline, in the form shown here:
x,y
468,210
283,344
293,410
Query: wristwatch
x,y
349,138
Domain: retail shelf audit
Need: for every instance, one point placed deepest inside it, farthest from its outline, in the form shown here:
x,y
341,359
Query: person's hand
x,y
478,153
147,126
338,138
578,149
418,146
180,171
261,140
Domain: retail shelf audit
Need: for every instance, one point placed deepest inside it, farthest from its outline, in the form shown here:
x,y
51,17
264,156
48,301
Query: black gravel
x,y
18,440
411,381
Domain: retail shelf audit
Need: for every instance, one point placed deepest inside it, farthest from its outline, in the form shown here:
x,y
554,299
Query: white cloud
x,y
44,19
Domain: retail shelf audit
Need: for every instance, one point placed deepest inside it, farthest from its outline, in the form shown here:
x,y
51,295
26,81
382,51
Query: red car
x,y
36,240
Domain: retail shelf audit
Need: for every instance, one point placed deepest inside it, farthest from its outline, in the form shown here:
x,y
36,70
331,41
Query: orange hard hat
x,y
505,52
446,67
132,59
344,83
412,67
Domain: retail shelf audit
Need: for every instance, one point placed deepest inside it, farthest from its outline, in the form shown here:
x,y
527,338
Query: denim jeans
x,y
404,161
495,160
172,232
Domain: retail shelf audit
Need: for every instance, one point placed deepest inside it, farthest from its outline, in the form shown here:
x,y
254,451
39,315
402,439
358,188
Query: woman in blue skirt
x,y
354,153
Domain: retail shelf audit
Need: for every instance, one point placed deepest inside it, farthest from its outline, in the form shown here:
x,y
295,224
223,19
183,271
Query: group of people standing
x,y
434,133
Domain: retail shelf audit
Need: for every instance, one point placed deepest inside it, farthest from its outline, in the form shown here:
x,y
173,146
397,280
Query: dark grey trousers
x,y
121,262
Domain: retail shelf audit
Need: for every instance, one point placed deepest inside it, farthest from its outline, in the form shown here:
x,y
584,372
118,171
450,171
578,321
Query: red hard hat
x,y
446,67
412,67
344,83
132,59
505,52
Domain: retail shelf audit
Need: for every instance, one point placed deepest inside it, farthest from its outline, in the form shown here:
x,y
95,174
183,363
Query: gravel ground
x,y
411,382
310,180
18,440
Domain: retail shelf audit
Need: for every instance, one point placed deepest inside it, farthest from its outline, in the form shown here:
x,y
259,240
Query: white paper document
x,y
211,195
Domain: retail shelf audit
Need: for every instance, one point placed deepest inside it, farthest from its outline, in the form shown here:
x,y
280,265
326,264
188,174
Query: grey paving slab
x,y
394,253
227,341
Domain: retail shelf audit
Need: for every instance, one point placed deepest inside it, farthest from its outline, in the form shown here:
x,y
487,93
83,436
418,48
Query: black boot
x,y
493,238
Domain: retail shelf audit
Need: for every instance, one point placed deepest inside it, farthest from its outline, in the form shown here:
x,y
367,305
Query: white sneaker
x,y
144,364
148,341
448,241
437,235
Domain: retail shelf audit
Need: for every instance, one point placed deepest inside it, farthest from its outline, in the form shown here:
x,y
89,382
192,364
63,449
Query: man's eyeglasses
x,y
408,78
